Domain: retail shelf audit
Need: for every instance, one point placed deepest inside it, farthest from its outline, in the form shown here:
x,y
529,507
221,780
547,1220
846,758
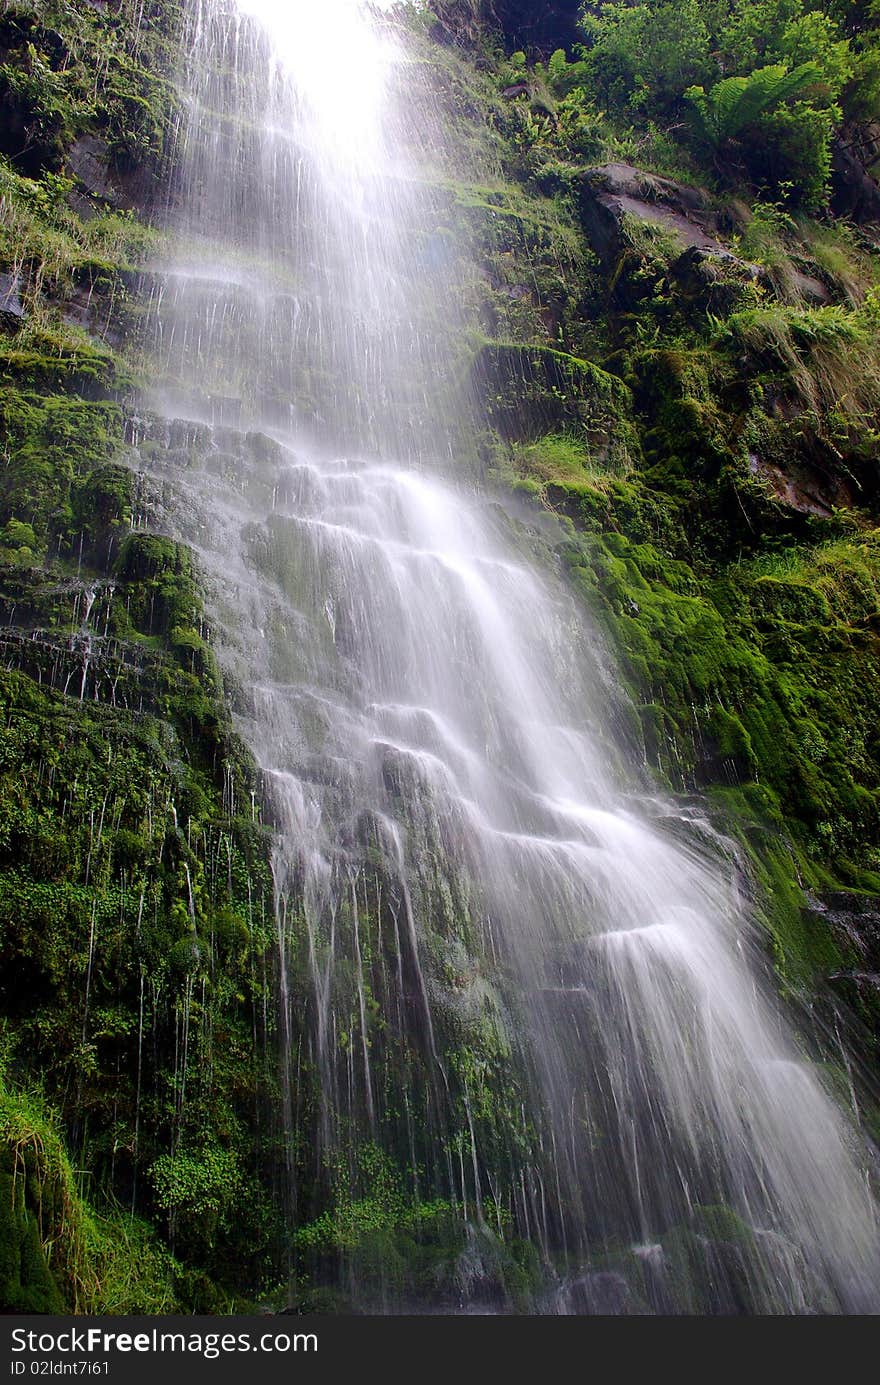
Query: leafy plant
x,y
641,56
201,1183
722,114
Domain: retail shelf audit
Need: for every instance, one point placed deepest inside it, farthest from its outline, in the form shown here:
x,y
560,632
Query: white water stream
x,y
532,988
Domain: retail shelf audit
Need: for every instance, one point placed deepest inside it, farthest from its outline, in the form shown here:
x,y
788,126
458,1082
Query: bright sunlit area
x,y
339,60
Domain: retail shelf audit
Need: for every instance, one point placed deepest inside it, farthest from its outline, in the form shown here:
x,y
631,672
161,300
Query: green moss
x,y
48,439
161,583
529,391
101,511
749,691
410,1250
26,1282
110,844
57,1254
645,406
715,1266
47,82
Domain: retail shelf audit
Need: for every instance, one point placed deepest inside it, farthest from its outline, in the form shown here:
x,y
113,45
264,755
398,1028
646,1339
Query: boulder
x,y
716,280
811,289
533,390
609,194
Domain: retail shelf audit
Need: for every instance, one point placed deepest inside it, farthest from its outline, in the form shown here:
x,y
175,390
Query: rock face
x,y
89,162
529,390
105,670
676,452
854,921
99,177
856,192
806,489
12,313
616,201
810,289
712,279
609,194
644,228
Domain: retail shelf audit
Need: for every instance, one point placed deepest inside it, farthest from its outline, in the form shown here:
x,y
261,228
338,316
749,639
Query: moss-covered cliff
x,y
136,910
673,352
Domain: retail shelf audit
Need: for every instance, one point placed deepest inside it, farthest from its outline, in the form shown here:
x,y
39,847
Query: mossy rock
x,y
26,1282
530,390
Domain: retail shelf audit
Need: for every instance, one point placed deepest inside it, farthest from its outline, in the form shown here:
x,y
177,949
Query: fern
x,y
564,76
722,114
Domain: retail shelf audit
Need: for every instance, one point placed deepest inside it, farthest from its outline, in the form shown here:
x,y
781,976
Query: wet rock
x,y
804,488
811,289
856,192
12,313
714,279
603,1294
710,1276
607,195
226,411
854,920
89,162
534,390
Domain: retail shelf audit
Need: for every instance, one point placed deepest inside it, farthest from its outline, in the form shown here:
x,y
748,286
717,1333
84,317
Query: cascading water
x,y
519,994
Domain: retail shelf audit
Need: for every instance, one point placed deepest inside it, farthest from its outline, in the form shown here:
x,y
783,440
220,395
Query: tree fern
x,y
735,103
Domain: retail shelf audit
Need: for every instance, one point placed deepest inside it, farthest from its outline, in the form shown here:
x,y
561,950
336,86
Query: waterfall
x,y
520,993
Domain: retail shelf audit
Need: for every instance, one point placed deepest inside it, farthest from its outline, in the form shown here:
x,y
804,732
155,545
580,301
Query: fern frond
x,y
735,103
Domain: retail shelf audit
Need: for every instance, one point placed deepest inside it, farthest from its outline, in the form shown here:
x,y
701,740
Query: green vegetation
x,y
679,361
74,67
754,91
416,1251
136,913
97,1264
737,103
